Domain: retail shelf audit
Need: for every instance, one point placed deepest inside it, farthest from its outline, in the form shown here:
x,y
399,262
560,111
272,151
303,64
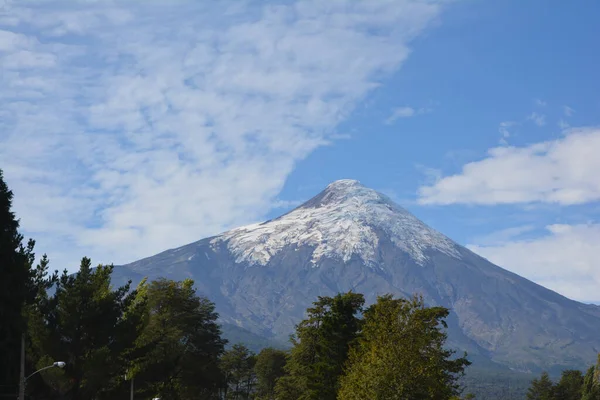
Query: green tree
x,y
35,358
178,351
269,368
541,389
401,354
16,261
469,396
237,365
84,324
321,347
591,383
570,386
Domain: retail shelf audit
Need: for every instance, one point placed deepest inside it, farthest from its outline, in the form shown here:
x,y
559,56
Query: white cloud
x,y
564,260
405,112
128,128
568,111
538,119
540,103
562,171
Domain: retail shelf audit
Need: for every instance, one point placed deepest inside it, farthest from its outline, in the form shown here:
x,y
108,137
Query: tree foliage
x,y
321,347
541,389
238,365
591,383
269,368
570,386
180,345
16,275
162,335
83,323
401,354
573,385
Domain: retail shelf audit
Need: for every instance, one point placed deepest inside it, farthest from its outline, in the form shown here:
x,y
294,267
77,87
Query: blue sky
x,y
127,128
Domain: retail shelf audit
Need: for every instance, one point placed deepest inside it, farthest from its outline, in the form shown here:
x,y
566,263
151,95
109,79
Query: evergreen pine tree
x,y
541,389
570,386
16,260
321,347
85,324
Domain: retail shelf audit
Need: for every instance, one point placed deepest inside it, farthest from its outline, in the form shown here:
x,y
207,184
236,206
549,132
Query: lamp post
x,y
57,364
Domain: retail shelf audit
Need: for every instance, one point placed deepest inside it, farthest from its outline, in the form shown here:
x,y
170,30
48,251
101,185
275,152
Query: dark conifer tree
x,y
541,389
15,289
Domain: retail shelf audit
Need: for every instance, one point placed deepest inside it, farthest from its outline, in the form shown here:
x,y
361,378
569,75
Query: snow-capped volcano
x,y
263,277
344,220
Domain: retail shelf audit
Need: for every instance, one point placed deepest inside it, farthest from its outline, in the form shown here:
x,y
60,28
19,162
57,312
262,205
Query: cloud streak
x,y
561,171
131,129
405,112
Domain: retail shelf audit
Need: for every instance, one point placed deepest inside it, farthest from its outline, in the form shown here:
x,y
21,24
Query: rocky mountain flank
x,y
262,278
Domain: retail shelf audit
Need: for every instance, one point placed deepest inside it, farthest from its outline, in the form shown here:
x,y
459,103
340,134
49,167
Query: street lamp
x,y
56,364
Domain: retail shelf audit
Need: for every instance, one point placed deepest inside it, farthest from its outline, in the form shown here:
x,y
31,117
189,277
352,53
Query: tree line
x,y
572,385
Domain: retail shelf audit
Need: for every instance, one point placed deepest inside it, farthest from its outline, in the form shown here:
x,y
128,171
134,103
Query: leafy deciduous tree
x,y
591,383
181,344
269,368
237,365
401,354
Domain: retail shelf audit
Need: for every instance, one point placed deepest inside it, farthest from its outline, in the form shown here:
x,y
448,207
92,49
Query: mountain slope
x,y
262,277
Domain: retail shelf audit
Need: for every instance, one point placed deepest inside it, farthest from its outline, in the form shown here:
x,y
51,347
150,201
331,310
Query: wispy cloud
x,y
132,127
538,119
561,171
430,175
503,236
568,111
505,131
286,204
565,259
405,112
540,103
401,112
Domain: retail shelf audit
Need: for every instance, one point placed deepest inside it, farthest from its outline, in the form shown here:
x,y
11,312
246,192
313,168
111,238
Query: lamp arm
x,y
40,370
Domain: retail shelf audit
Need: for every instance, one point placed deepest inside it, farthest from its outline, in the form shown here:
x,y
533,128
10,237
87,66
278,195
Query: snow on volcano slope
x,y
342,221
